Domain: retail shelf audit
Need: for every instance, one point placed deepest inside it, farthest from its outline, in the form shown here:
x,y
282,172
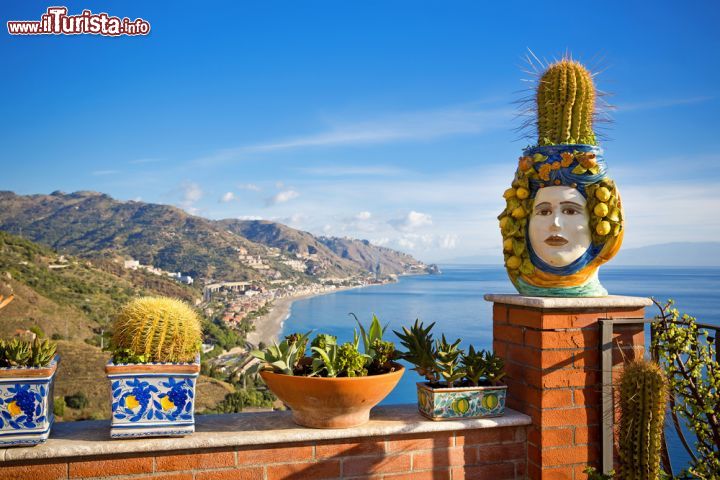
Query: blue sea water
x,y
454,300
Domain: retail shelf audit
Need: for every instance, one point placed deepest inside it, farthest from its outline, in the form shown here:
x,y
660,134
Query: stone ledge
x,y
611,301
92,438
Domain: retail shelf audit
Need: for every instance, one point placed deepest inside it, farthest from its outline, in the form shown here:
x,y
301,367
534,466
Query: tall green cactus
x,y
566,105
643,398
157,329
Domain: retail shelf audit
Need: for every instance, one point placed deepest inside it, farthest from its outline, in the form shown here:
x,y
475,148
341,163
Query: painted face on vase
x,y
559,228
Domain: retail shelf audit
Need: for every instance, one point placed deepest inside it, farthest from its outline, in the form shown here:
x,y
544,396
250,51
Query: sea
x,y
454,301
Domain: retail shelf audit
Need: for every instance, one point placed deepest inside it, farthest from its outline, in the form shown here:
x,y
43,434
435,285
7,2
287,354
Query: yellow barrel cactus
x,y
158,329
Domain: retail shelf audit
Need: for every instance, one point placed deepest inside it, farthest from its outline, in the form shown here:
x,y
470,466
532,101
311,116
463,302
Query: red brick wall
x,y
492,453
553,364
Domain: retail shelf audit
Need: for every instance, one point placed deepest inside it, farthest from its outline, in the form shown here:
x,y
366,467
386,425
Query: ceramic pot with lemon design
x,y
26,404
155,399
461,402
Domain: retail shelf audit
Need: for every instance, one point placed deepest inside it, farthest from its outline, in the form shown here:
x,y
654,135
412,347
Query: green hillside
x,y
66,296
73,301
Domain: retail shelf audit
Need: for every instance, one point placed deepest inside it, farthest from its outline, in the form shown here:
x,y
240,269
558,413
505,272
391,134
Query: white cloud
x,y
141,161
282,197
332,171
228,197
191,192
405,126
365,215
448,241
249,186
294,220
412,221
249,217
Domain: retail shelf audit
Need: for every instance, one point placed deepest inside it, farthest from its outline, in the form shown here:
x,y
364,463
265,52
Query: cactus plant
x,y
157,329
643,397
21,353
566,105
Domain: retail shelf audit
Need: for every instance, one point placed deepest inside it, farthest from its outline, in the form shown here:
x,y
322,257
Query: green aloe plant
x,y
284,357
442,362
330,359
448,360
23,353
420,349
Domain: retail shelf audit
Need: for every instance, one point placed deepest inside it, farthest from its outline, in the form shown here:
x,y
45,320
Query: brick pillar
x,y
552,352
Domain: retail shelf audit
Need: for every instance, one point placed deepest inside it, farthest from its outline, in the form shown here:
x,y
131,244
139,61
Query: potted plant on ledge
x,y
155,364
459,384
27,373
337,385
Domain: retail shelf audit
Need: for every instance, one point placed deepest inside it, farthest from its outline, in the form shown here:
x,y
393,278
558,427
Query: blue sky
x,y
391,121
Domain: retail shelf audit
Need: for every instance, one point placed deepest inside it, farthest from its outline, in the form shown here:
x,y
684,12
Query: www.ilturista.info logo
x,y
57,22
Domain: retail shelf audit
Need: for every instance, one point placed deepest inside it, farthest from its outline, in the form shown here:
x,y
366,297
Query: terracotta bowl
x,y
318,402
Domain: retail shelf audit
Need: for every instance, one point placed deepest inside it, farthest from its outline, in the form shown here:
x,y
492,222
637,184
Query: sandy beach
x,y
268,327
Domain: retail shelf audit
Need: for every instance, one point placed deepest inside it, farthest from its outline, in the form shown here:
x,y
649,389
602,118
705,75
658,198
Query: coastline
x,y
269,327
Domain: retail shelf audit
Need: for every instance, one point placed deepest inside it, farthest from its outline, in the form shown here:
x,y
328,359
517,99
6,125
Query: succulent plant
x,y
420,349
328,358
380,353
494,367
383,353
285,356
375,332
42,352
157,329
566,104
322,341
351,362
23,353
442,360
17,353
643,399
473,362
448,360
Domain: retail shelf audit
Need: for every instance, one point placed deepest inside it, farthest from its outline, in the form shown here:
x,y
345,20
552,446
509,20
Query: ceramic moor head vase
x,y
563,215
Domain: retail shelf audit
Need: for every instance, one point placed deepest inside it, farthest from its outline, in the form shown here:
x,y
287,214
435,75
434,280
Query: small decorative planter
x,y
153,399
461,402
338,402
26,404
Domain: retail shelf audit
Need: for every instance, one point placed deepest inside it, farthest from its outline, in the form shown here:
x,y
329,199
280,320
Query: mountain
x,y
291,241
373,258
350,254
93,225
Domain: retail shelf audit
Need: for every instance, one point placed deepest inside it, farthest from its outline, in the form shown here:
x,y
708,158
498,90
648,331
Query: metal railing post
x,y
608,412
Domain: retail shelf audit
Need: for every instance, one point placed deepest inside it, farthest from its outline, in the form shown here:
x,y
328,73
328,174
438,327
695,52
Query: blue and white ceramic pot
x,y
26,404
461,402
152,399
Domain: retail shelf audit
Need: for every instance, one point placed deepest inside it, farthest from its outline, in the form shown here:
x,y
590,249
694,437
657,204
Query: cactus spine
x,y
158,329
566,105
643,397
